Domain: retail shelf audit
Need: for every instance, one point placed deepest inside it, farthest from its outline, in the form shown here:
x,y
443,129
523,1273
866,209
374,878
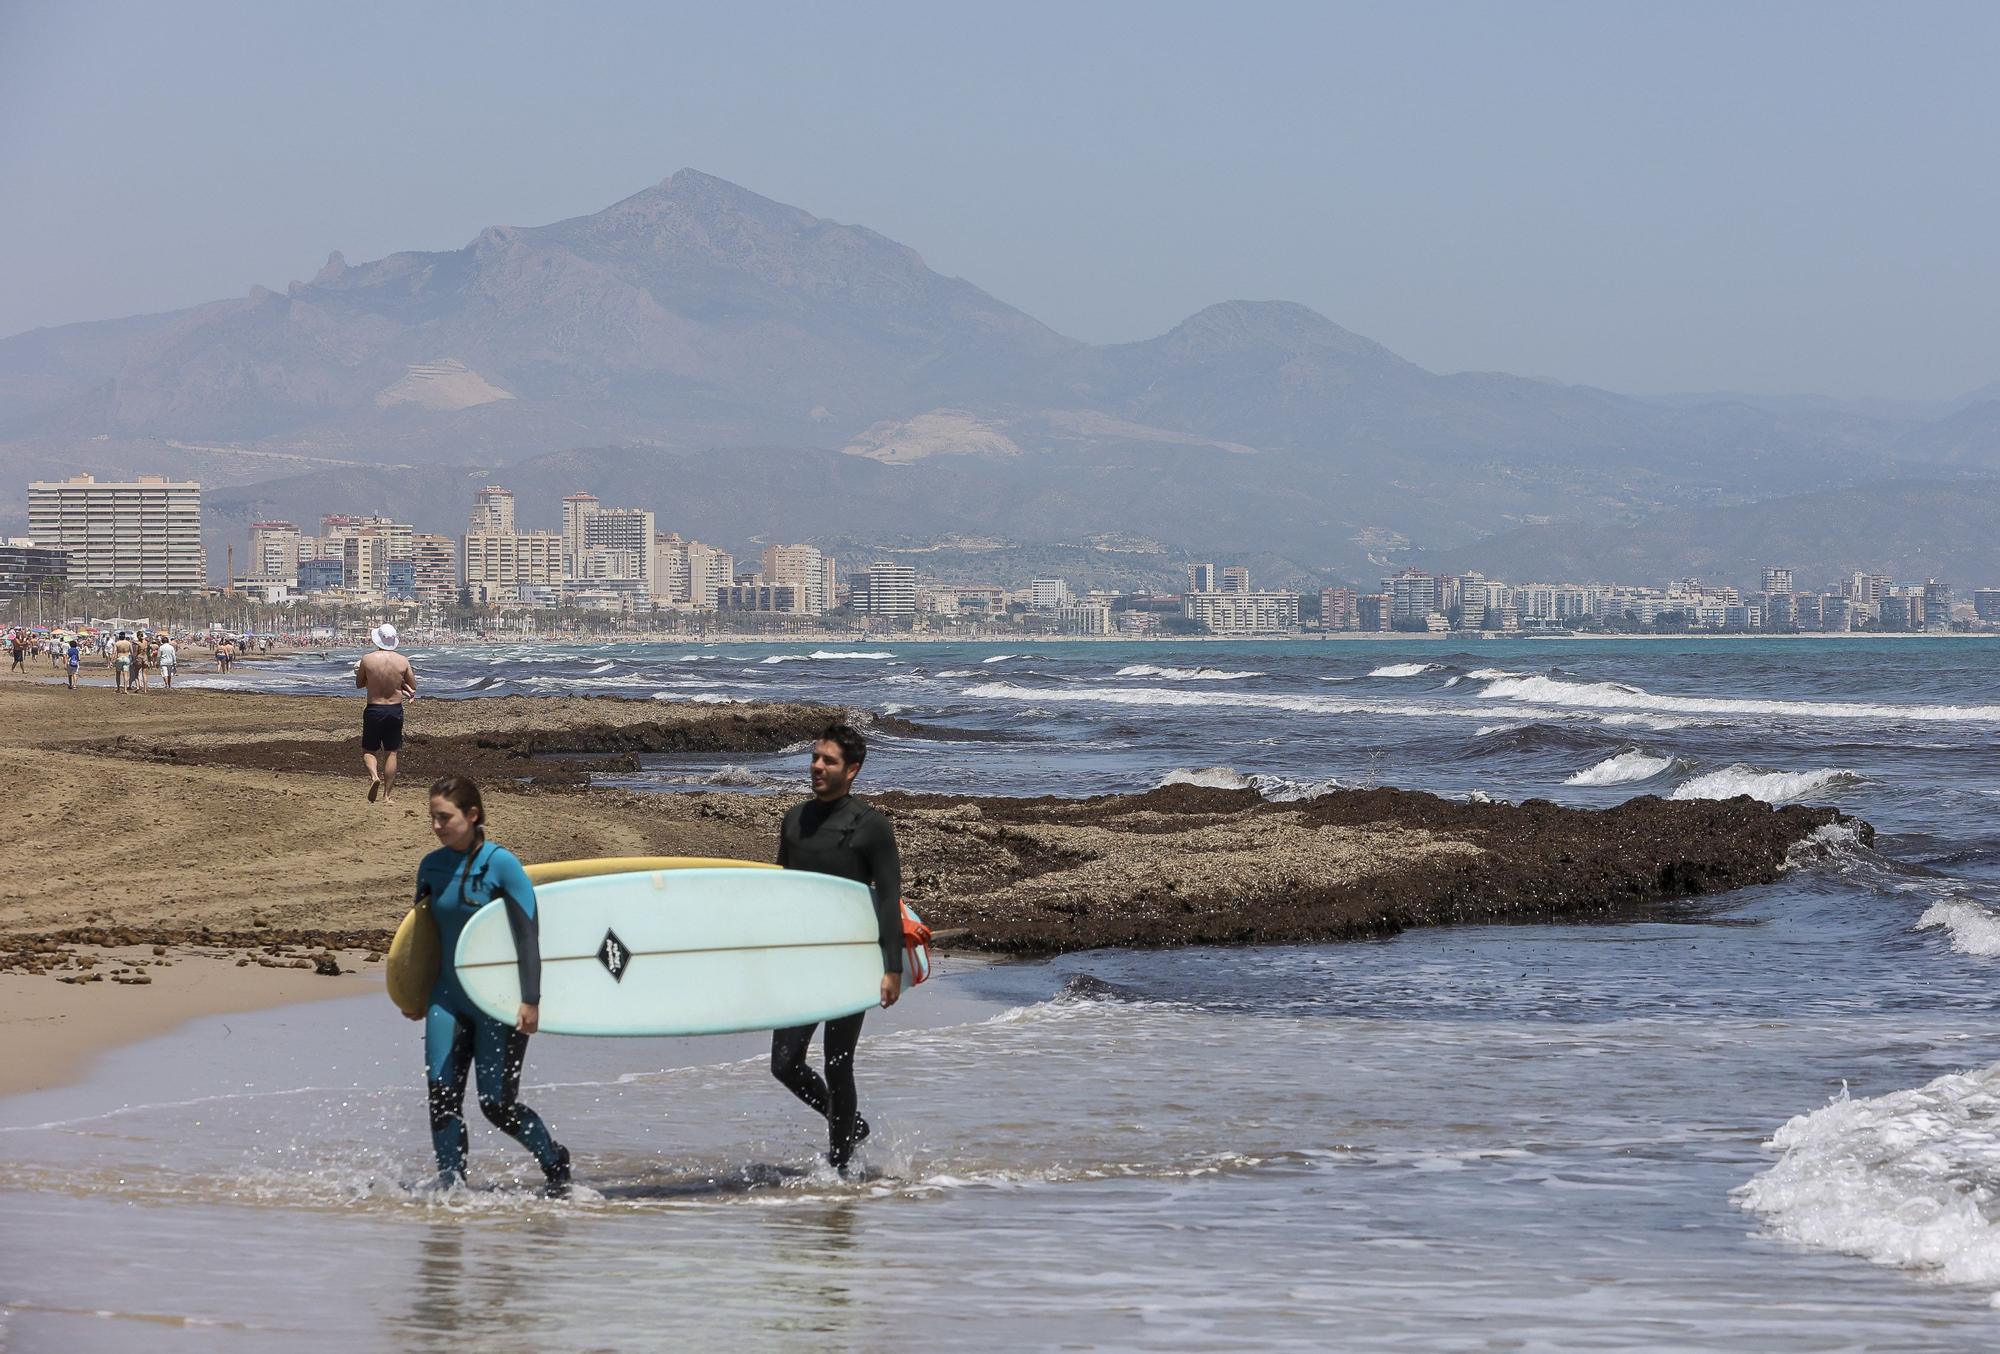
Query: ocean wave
x,y
602,668
702,698
1183,674
1492,674
1405,669
1275,789
1002,657
820,655
1973,929
1900,1179
1622,768
1208,777
1773,787
958,672
1172,696
1618,695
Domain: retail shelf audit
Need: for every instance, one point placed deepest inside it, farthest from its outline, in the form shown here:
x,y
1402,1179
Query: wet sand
x,y
224,840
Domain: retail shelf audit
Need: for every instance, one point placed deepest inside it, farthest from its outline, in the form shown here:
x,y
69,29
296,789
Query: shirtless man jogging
x,y
389,681
835,833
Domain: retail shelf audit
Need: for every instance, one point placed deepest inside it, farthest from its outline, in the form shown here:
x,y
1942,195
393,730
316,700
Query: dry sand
x,y
204,823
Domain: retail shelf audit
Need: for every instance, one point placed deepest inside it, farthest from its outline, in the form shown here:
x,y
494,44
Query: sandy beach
x,y
206,851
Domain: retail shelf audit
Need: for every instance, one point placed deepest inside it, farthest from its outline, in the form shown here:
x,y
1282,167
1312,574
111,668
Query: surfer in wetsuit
x,y
464,874
835,833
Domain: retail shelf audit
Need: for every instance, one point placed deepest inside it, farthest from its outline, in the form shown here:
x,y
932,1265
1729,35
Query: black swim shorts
x,y
382,728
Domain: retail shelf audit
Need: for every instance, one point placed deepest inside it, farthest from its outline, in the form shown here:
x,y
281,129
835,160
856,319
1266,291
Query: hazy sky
x,y
1670,196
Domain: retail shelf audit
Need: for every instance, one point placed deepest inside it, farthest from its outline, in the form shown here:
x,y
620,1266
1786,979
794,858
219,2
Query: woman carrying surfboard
x,y
464,874
835,833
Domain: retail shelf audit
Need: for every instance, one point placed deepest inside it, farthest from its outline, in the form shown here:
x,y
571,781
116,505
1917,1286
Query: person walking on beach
x,y
137,681
169,656
121,661
835,833
73,660
464,874
390,681
19,644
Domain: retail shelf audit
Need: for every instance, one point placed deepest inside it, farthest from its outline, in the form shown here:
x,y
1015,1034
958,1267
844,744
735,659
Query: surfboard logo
x,y
614,956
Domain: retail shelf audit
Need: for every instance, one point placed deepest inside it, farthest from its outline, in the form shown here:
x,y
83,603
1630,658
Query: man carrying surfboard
x,y
835,833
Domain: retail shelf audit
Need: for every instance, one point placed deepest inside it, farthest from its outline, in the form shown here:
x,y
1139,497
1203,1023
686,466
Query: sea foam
x,y
1276,789
1619,696
1184,674
1773,787
1622,768
1902,1179
1404,669
1972,928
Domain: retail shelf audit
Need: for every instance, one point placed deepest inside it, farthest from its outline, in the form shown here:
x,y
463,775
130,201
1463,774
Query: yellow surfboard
x,y
412,965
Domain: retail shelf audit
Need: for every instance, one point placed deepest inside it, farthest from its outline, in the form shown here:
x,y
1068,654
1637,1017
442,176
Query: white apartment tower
x,y
493,510
804,568
619,549
577,509
142,533
274,549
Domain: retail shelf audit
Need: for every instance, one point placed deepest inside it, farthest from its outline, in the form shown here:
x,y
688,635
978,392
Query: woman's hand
x,y
892,988
529,1020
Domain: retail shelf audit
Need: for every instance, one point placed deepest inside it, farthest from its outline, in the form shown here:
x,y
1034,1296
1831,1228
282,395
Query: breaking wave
x,y
1617,695
1899,1179
1973,929
1276,789
1773,787
1405,669
1623,768
820,654
1184,674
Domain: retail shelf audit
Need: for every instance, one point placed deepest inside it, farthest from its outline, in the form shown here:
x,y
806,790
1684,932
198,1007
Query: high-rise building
x,y
1413,596
499,565
1986,603
619,549
1047,594
27,570
1236,578
493,510
142,533
1243,613
365,562
1937,605
804,568
670,568
1084,618
577,509
886,590
1201,577
1776,579
709,571
274,549
1472,601
434,561
1339,609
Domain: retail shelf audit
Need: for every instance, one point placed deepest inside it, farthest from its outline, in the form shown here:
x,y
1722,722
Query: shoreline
x,y
217,851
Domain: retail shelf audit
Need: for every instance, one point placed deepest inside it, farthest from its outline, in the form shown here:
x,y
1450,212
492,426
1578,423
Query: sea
x,y
1768,1120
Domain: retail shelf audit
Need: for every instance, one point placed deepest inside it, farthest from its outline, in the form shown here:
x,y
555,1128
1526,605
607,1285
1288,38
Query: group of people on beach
x,y
129,655
831,833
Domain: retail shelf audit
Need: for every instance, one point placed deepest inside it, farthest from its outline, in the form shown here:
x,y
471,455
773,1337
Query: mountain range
x,y
752,371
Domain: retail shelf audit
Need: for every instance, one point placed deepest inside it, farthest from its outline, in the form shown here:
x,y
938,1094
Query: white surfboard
x,y
677,952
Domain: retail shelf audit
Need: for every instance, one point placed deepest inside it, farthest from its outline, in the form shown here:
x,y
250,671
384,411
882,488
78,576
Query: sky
x,y
1685,196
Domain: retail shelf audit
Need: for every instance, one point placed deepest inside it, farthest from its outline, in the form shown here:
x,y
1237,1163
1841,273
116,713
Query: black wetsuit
x,y
849,839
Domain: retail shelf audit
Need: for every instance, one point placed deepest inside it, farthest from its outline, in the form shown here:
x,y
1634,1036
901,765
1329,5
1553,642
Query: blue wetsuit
x,y
458,1037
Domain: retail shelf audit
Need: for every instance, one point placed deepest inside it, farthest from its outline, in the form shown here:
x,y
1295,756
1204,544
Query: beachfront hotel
x,y
143,533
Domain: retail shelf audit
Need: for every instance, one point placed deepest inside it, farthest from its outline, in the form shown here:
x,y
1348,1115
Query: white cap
x,y
384,636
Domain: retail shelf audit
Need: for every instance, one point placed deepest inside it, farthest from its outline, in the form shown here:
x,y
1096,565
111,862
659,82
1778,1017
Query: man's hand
x,y
529,1020
892,988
